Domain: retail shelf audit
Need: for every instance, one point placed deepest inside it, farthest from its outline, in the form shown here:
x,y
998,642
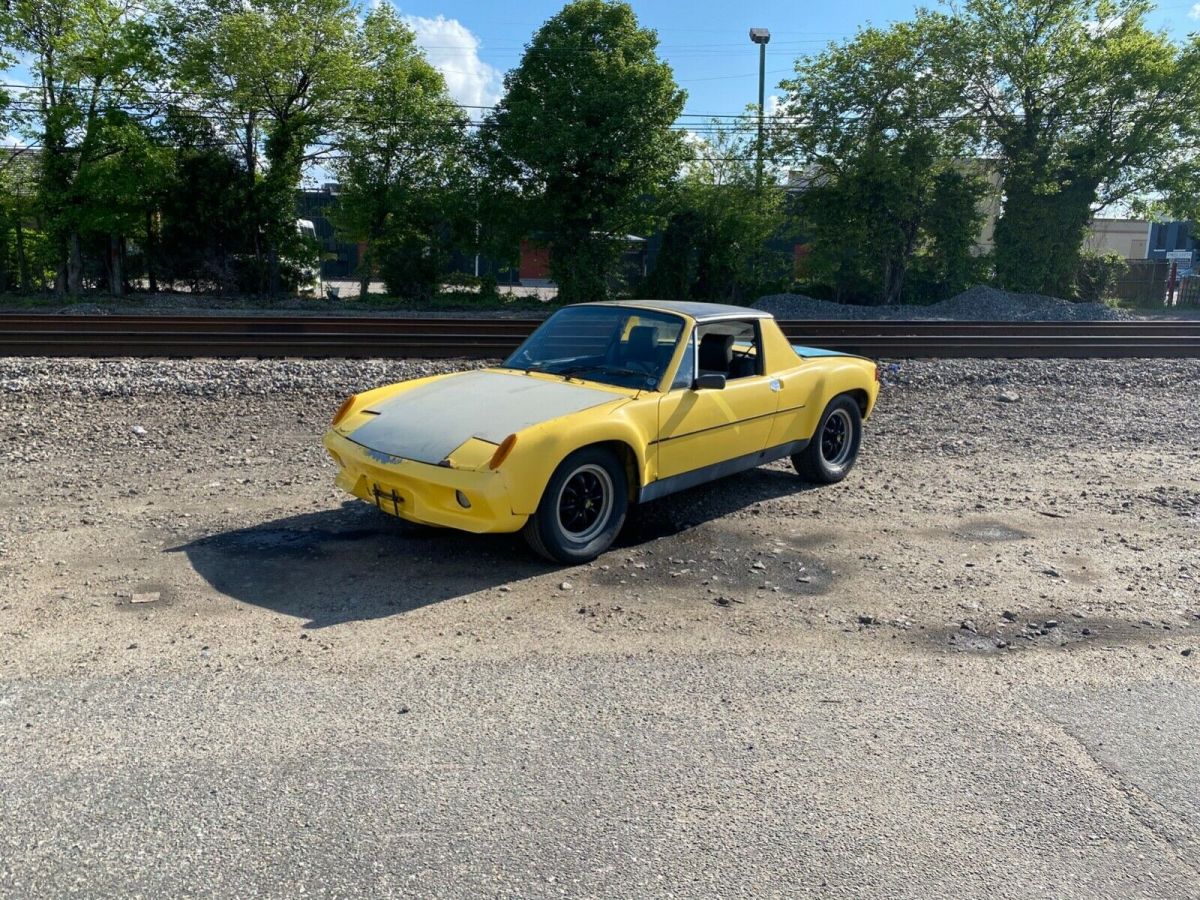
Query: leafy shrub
x,y
1098,274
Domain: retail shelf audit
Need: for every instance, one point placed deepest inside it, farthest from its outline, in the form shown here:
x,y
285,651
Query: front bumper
x,y
423,493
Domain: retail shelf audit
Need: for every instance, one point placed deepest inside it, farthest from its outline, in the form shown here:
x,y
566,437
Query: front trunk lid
x,y
428,423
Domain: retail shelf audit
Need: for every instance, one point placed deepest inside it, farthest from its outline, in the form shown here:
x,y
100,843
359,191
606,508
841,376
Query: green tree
x,y
948,260
91,61
206,219
584,137
24,247
715,241
120,187
873,122
275,75
403,169
1083,106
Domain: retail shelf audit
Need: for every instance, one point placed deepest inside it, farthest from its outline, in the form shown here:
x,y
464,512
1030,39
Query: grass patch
x,y
1147,307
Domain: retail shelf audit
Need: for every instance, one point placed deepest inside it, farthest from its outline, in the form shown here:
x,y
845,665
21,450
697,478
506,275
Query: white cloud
x,y
1195,13
454,50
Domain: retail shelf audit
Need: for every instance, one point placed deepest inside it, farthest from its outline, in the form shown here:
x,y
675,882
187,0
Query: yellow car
x,y
603,406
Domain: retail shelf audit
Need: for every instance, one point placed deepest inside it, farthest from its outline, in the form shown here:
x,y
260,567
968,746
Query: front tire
x,y
582,509
833,449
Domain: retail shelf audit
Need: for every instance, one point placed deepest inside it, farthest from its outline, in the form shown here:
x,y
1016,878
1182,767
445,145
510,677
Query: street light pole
x,y
762,37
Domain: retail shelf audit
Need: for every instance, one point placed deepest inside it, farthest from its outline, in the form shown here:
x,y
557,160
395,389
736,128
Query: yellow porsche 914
x,y
603,406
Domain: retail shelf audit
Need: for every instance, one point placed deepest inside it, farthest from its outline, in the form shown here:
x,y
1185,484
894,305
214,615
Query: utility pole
x,y
762,37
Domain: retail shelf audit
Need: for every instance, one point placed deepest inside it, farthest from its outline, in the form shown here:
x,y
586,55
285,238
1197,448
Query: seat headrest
x,y
643,343
716,351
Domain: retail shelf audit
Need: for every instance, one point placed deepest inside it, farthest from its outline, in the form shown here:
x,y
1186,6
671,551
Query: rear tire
x,y
833,449
582,509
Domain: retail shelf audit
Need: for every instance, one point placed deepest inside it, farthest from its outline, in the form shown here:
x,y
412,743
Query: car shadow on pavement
x,y
687,509
354,563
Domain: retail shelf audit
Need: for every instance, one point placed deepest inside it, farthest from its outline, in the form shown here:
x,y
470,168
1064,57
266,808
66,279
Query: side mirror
x,y
710,382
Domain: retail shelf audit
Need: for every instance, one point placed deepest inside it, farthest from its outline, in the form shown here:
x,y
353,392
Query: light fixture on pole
x,y
762,37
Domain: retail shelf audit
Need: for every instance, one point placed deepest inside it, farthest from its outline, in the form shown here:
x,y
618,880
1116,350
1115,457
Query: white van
x,y
310,266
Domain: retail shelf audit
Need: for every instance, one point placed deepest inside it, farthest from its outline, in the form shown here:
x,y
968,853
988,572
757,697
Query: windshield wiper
x,y
600,367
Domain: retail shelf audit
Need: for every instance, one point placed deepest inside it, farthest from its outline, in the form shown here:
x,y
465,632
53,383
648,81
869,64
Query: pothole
x,y
692,560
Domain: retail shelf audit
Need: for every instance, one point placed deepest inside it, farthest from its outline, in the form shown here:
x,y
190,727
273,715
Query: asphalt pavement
x,y
697,776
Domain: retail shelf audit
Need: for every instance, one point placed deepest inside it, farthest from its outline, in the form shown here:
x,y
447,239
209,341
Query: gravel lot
x,y
970,670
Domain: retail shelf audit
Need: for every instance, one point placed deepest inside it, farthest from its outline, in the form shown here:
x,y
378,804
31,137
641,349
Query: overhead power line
x,y
687,121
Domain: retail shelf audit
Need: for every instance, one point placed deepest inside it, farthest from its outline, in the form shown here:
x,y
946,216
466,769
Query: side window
x,y
686,373
731,349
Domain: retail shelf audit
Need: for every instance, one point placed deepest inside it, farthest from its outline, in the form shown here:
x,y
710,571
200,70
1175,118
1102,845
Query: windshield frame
x,y
668,373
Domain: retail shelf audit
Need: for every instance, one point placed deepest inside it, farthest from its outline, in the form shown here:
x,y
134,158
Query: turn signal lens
x,y
502,451
344,408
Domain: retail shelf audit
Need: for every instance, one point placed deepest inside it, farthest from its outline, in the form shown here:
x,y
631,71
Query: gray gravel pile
x,y
980,303
983,302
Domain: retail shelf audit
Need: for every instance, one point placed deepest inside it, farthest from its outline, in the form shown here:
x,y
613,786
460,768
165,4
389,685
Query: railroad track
x,y
359,337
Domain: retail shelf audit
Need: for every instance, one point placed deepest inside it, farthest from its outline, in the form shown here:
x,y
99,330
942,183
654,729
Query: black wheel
x,y
582,508
830,454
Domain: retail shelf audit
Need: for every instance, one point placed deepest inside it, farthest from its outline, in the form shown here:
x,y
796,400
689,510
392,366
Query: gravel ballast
x,y
980,303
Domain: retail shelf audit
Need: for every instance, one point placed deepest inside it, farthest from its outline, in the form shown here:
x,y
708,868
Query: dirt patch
x,y
239,529
991,532
1048,632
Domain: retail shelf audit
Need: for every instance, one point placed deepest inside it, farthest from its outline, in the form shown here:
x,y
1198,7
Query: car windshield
x,y
617,345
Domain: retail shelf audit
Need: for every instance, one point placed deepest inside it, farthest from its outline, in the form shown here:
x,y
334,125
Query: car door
x,y
704,428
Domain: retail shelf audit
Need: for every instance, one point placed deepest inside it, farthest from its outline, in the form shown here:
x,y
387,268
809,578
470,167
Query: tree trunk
x,y
272,271
893,276
366,262
896,269
60,270
115,268
251,158
22,262
151,275
74,265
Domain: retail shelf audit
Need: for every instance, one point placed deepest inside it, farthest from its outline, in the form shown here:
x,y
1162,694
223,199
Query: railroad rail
x,y
50,335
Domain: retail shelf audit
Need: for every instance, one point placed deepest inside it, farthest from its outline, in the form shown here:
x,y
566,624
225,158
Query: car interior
x,y
729,349
643,350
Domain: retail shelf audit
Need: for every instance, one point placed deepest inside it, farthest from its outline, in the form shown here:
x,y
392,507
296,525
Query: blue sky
x,y
706,41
